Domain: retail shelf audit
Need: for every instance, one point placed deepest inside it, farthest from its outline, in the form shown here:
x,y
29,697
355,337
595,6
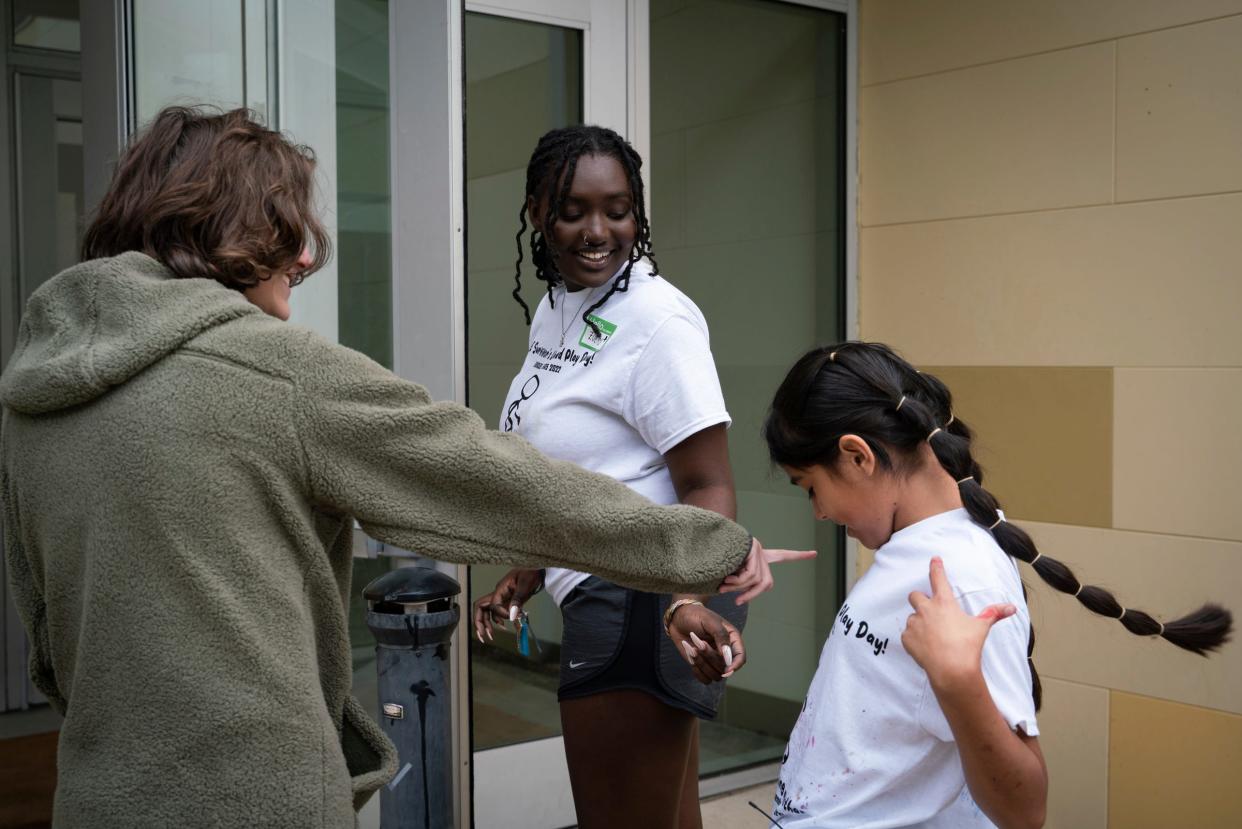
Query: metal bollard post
x,y
412,611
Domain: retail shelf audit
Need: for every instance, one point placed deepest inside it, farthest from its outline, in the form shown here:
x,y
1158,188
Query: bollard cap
x,y
411,589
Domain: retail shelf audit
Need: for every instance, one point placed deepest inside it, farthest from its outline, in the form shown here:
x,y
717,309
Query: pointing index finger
x,y
775,556
939,581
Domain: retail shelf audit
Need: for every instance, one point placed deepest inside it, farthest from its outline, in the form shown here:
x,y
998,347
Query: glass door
x,y
525,72
748,203
41,196
318,72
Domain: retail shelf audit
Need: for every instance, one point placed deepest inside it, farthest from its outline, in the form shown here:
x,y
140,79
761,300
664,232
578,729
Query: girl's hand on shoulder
x,y
755,574
505,602
944,640
710,645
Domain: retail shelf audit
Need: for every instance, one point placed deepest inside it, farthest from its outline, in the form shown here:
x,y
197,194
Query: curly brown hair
x,y
214,195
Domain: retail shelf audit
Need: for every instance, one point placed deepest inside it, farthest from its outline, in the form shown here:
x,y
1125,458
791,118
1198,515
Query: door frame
x,y
634,123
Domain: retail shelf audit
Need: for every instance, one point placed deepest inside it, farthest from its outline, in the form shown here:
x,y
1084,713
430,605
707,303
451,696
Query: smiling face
x,y
272,294
595,228
857,493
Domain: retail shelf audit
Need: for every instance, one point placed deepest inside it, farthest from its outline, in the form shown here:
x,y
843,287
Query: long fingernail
x,y
513,612
476,633
489,636
698,643
690,651
728,655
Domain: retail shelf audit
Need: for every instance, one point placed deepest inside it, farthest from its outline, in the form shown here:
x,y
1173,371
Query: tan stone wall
x,y
1050,205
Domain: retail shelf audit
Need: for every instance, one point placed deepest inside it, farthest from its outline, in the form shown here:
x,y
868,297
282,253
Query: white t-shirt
x,y
872,747
616,403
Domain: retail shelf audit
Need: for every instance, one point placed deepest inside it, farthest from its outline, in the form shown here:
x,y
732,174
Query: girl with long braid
x,y
619,379
926,718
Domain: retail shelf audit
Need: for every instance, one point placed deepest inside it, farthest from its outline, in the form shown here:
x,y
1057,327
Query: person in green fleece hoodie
x,y
181,471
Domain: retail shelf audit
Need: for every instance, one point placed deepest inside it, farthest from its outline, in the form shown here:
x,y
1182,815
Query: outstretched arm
x,y
1004,769
430,478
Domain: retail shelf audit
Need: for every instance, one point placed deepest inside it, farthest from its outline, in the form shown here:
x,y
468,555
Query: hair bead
x,y
832,358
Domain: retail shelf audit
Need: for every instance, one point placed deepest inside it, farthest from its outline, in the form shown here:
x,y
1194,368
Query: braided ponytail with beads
x,y
867,390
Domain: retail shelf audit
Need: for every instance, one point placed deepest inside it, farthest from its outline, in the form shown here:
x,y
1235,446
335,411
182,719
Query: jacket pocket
x,y
369,755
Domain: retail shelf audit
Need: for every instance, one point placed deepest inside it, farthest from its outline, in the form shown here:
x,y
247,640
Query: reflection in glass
x,y
47,24
522,79
747,195
191,52
364,230
50,179
363,245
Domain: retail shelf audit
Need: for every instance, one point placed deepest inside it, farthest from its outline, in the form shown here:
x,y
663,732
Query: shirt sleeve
x,y
674,390
1005,670
429,477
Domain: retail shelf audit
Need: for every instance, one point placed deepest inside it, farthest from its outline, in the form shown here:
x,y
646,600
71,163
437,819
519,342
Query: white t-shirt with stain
x,y
616,402
872,747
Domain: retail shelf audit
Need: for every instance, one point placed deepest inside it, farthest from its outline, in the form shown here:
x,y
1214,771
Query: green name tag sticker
x,y
590,340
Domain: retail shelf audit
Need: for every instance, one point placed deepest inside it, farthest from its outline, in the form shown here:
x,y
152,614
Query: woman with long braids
x,y
619,378
926,718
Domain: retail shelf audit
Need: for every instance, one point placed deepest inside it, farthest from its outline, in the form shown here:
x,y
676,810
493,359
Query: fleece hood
x,y
97,324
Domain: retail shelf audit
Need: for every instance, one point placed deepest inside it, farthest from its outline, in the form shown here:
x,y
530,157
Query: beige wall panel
x,y
901,39
1073,725
1164,575
1172,765
1178,448
1026,438
1094,286
1179,111
1021,135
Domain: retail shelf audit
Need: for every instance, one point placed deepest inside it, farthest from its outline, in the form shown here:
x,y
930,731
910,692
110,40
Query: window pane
x,y
47,24
363,247
188,52
522,79
50,184
364,233
747,196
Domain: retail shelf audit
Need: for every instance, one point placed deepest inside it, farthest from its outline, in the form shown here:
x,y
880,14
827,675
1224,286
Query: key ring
x,y
526,635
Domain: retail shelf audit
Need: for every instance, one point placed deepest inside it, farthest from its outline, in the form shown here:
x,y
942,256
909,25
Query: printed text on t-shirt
x,y
564,355
864,632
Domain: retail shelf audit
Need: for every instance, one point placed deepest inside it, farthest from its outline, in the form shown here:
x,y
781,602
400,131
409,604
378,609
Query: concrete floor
x,y
733,810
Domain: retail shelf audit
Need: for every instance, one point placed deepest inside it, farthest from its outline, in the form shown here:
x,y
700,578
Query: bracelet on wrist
x,y
672,609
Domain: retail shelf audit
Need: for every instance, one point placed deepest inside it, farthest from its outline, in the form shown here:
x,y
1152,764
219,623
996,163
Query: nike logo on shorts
x,y
575,665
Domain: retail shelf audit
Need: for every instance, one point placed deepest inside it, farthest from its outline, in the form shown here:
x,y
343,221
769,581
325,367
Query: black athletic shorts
x,y
613,638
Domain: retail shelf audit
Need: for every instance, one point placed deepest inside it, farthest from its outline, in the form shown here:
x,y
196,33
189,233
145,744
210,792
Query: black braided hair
x,y
866,389
555,159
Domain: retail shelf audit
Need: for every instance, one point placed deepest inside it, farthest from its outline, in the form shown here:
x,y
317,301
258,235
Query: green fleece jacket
x,y
180,474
